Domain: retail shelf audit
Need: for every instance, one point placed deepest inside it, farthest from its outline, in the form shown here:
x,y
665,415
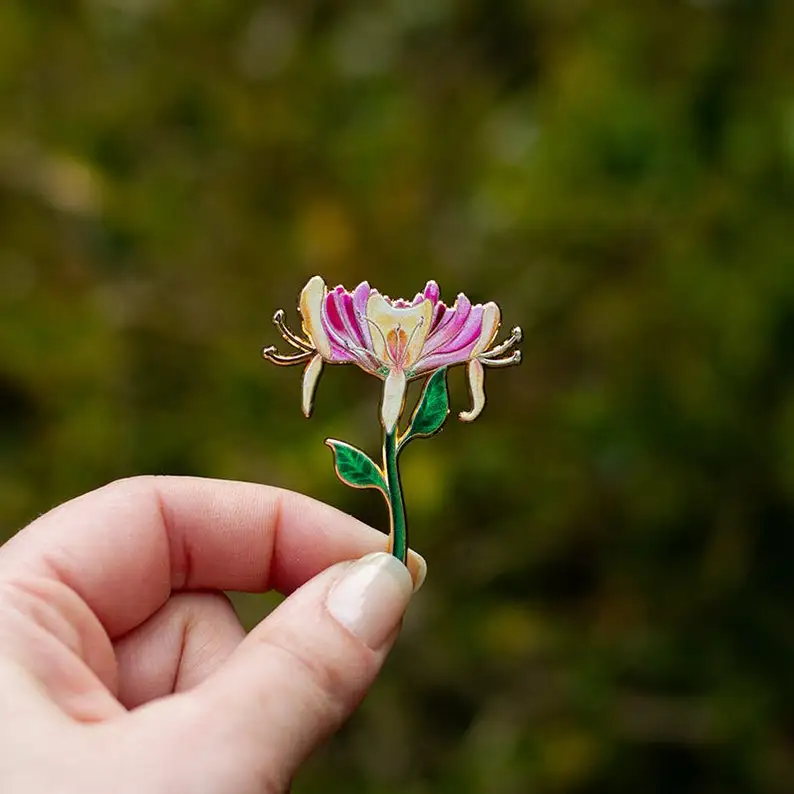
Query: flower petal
x,y
340,342
448,327
491,320
432,292
311,306
477,388
332,319
339,319
413,321
310,377
393,399
360,297
439,312
343,331
456,350
349,318
438,360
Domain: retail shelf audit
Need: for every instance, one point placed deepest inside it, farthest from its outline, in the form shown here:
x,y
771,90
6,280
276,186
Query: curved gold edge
x,y
328,443
513,358
407,436
403,438
289,336
516,336
271,354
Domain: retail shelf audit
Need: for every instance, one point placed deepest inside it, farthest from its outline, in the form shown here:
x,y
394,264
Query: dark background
x,y
610,545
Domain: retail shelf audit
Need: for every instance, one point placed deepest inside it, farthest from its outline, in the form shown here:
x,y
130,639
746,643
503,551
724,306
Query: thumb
x,y
301,672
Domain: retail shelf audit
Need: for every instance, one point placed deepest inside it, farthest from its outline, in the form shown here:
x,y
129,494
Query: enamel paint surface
x,y
397,341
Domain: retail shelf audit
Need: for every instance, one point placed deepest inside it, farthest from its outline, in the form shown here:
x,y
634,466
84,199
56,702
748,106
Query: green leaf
x,y
433,408
355,468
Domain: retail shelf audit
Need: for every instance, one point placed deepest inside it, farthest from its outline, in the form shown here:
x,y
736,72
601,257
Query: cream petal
x,y
491,320
310,377
393,399
311,306
476,374
413,320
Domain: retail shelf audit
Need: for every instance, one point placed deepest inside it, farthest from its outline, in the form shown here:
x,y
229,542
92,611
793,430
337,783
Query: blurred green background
x,y
611,545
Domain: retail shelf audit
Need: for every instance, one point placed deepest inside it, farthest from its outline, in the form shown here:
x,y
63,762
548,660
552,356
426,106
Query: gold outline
x,y
329,442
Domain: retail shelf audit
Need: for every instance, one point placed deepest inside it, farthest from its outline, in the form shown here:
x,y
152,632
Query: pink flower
x,y
396,340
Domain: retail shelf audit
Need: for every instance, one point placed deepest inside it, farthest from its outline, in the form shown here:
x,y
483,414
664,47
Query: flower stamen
x,y
516,335
418,325
382,336
369,356
289,336
272,354
513,358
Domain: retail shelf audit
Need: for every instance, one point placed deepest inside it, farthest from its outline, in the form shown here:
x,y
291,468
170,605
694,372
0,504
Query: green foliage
x,y
355,468
610,545
432,409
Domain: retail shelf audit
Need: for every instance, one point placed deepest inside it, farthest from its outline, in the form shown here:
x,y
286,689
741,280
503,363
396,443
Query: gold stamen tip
x,y
267,352
518,355
517,334
278,317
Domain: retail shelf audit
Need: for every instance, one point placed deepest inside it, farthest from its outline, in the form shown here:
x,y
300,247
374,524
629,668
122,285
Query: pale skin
x,y
124,668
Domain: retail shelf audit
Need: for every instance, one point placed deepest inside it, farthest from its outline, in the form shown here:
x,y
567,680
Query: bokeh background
x,y
609,605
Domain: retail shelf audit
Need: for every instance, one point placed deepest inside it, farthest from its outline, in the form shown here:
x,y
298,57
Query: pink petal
x,y
432,292
344,329
360,297
339,355
334,322
456,349
342,316
349,318
438,360
450,326
335,330
438,314
468,335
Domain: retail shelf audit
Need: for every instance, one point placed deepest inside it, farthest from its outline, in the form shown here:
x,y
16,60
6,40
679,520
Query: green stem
x,y
399,528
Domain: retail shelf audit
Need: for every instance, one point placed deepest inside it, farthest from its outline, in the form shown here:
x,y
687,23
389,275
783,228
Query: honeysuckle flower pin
x,y
397,341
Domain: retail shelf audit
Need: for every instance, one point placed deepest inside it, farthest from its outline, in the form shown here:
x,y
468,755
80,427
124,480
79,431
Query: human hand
x,y
123,667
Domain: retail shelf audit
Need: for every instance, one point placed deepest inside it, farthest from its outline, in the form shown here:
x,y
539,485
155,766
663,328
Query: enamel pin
x,y
397,341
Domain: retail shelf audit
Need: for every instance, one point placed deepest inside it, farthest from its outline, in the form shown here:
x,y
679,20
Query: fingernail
x,y
371,598
418,568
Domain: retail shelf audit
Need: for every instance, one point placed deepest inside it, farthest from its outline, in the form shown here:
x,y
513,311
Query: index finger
x,y
125,547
